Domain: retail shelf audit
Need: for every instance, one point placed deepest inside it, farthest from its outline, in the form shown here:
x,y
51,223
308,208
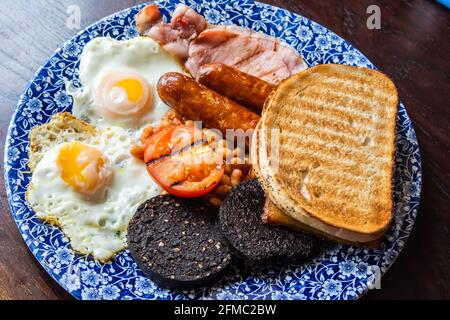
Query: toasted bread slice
x,y
335,130
303,221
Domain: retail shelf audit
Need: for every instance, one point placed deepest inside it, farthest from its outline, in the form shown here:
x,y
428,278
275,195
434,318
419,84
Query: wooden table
x,y
412,46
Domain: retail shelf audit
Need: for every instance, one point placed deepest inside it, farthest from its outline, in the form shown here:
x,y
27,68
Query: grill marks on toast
x,y
332,120
342,118
331,128
302,216
326,141
314,99
327,147
330,133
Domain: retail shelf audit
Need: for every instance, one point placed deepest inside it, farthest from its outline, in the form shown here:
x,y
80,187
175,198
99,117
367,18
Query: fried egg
x,y
91,189
118,81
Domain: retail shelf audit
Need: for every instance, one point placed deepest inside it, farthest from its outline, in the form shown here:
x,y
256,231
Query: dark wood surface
x,y
412,46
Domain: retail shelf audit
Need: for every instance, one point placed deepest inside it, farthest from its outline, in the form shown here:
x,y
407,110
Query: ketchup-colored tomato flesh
x,y
181,162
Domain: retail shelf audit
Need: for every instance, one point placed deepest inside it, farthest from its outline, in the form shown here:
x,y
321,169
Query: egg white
x,y
97,227
102,55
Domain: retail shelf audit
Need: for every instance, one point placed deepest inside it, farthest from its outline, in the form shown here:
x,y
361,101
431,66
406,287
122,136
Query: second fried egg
x,y
91,189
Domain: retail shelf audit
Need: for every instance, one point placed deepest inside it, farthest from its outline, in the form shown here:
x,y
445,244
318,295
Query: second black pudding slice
x,y
175,242
240,223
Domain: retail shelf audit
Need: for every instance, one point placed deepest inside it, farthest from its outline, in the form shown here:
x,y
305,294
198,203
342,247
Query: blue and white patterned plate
x,y
342,272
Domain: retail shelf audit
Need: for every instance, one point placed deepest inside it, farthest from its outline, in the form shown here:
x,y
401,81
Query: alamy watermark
x,y
374,20
73,21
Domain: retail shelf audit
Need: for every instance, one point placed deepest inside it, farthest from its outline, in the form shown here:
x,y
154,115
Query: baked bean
x,y
225,180
138,151
148,131
189,123
223,190
173,117
215,201
236,177
228,169
251,175
171,114
164,123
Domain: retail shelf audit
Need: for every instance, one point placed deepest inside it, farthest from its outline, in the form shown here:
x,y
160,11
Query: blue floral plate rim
x,y
347,277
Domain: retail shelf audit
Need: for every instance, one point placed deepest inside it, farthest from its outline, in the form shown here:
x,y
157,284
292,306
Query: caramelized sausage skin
x,y
232,83
196,102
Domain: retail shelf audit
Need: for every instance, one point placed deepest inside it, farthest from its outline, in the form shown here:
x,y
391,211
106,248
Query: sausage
x,y
196,102
239,86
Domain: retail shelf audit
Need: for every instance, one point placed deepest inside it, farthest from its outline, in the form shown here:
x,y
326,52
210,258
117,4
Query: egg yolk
x,y
83,167
133,89
124,93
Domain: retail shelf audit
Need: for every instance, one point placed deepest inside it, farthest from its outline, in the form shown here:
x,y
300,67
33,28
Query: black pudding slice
x,y
175,242
240,222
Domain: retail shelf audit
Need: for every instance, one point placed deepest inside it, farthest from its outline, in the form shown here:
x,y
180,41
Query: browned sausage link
x,y
239,86
196,102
